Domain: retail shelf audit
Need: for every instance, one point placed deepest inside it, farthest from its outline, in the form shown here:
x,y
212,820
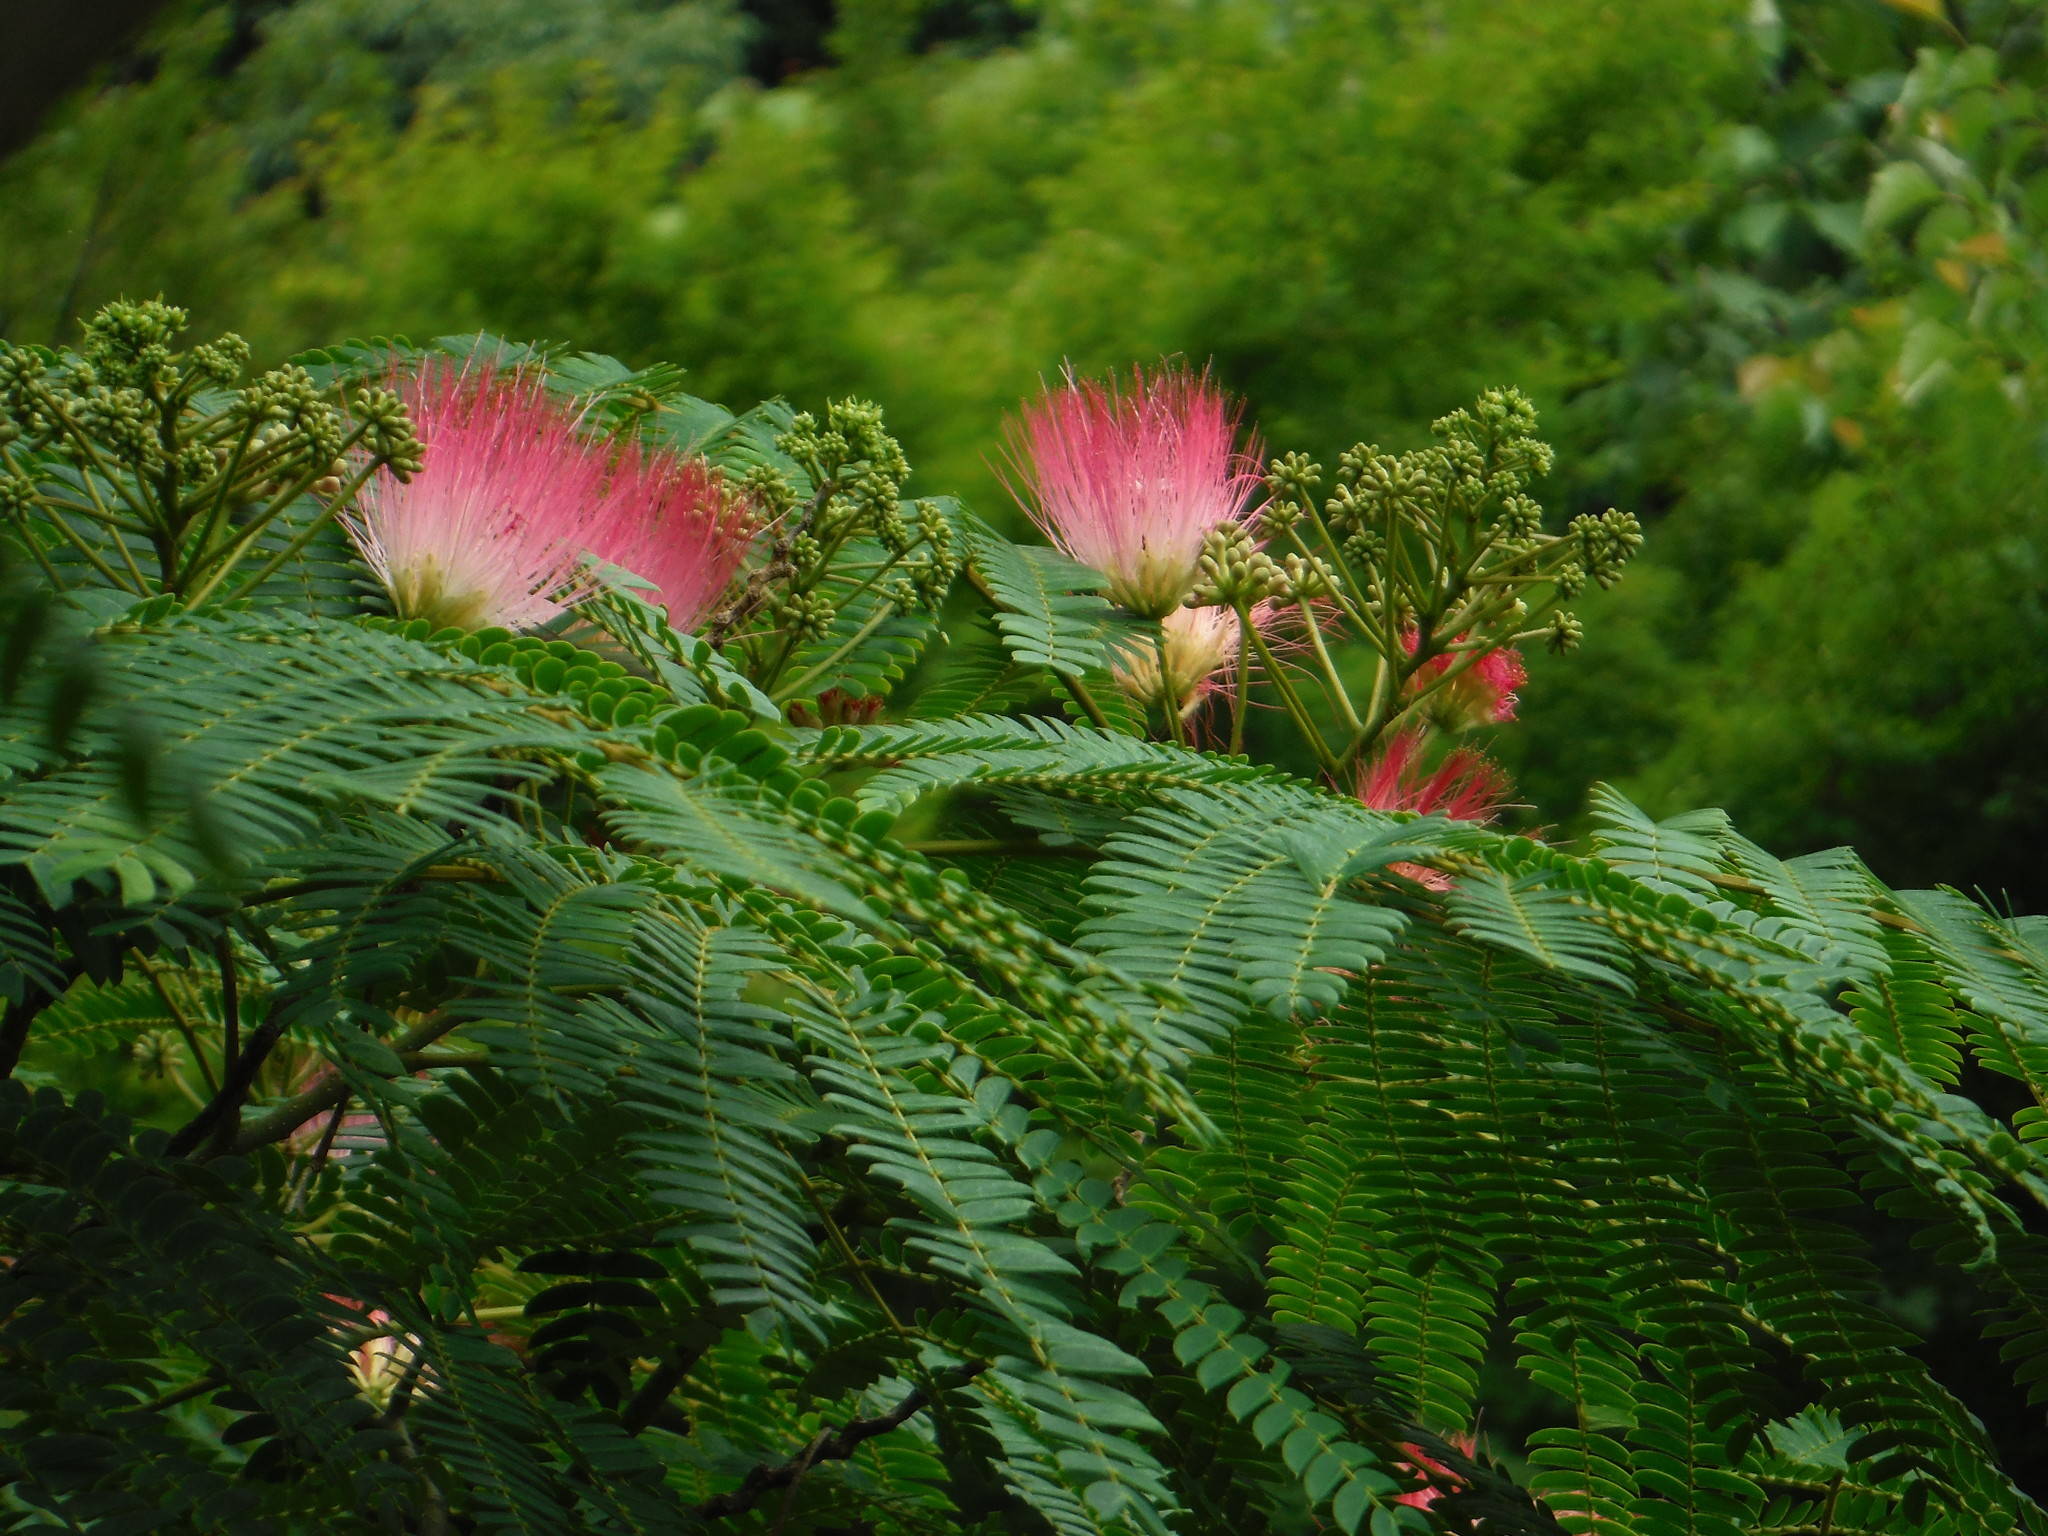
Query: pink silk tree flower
x,y
1466,786
516,512
1440,1475
679,525
494,527
1201,648
1130,481
1442,1480
1485,693
376,1366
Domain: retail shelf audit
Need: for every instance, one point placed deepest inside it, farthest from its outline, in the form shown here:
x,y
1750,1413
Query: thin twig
x,y
281,1119
1086,700
230,997
653,1393
177,1395
223,1109
303,1186
830,1445
1175,726
876,620
1020,847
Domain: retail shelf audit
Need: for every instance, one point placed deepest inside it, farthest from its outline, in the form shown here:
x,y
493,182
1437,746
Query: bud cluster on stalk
x,y
842,542
158,468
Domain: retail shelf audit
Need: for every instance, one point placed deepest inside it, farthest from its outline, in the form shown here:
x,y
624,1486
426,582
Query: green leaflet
x,y
1046,606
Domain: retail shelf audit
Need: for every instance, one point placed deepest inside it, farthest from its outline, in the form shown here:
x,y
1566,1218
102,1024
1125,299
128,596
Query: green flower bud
x,y
1519,518
807,614
1304,579
1274,519
18,495
1400,485
893,531
1232,569
1365,548
1607,542
1293,475
769,488
221,361
932,524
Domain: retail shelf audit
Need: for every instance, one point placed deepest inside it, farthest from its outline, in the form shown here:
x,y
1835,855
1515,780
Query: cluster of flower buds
x,y
1436,559
858,470
1232,569
1606,544
1446,539
129,447
838,531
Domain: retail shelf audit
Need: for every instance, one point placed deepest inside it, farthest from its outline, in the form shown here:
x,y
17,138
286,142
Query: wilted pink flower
x,y
376,1366
1201,648
1131,482
1443,1480
516,511
1466,786
1482,694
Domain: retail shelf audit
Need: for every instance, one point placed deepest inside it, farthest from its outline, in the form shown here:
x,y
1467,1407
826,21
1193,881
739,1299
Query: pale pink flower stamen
x,y
681,526
1201,649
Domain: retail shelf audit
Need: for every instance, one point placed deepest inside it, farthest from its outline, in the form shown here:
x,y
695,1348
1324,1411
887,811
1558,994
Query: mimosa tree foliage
x,y
879,1072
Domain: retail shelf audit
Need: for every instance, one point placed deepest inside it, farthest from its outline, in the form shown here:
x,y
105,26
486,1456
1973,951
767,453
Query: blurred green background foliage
x,y
1772,270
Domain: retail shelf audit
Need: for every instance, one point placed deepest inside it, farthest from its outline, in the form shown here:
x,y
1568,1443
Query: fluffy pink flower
x,y
1466,786
1483,694
680,526
493,529
1439,1474
516,510
1130,482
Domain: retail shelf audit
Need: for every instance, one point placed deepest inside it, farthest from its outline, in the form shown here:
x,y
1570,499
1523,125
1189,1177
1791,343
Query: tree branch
x,y
224,1107
281,1119
654,1392
830,1445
